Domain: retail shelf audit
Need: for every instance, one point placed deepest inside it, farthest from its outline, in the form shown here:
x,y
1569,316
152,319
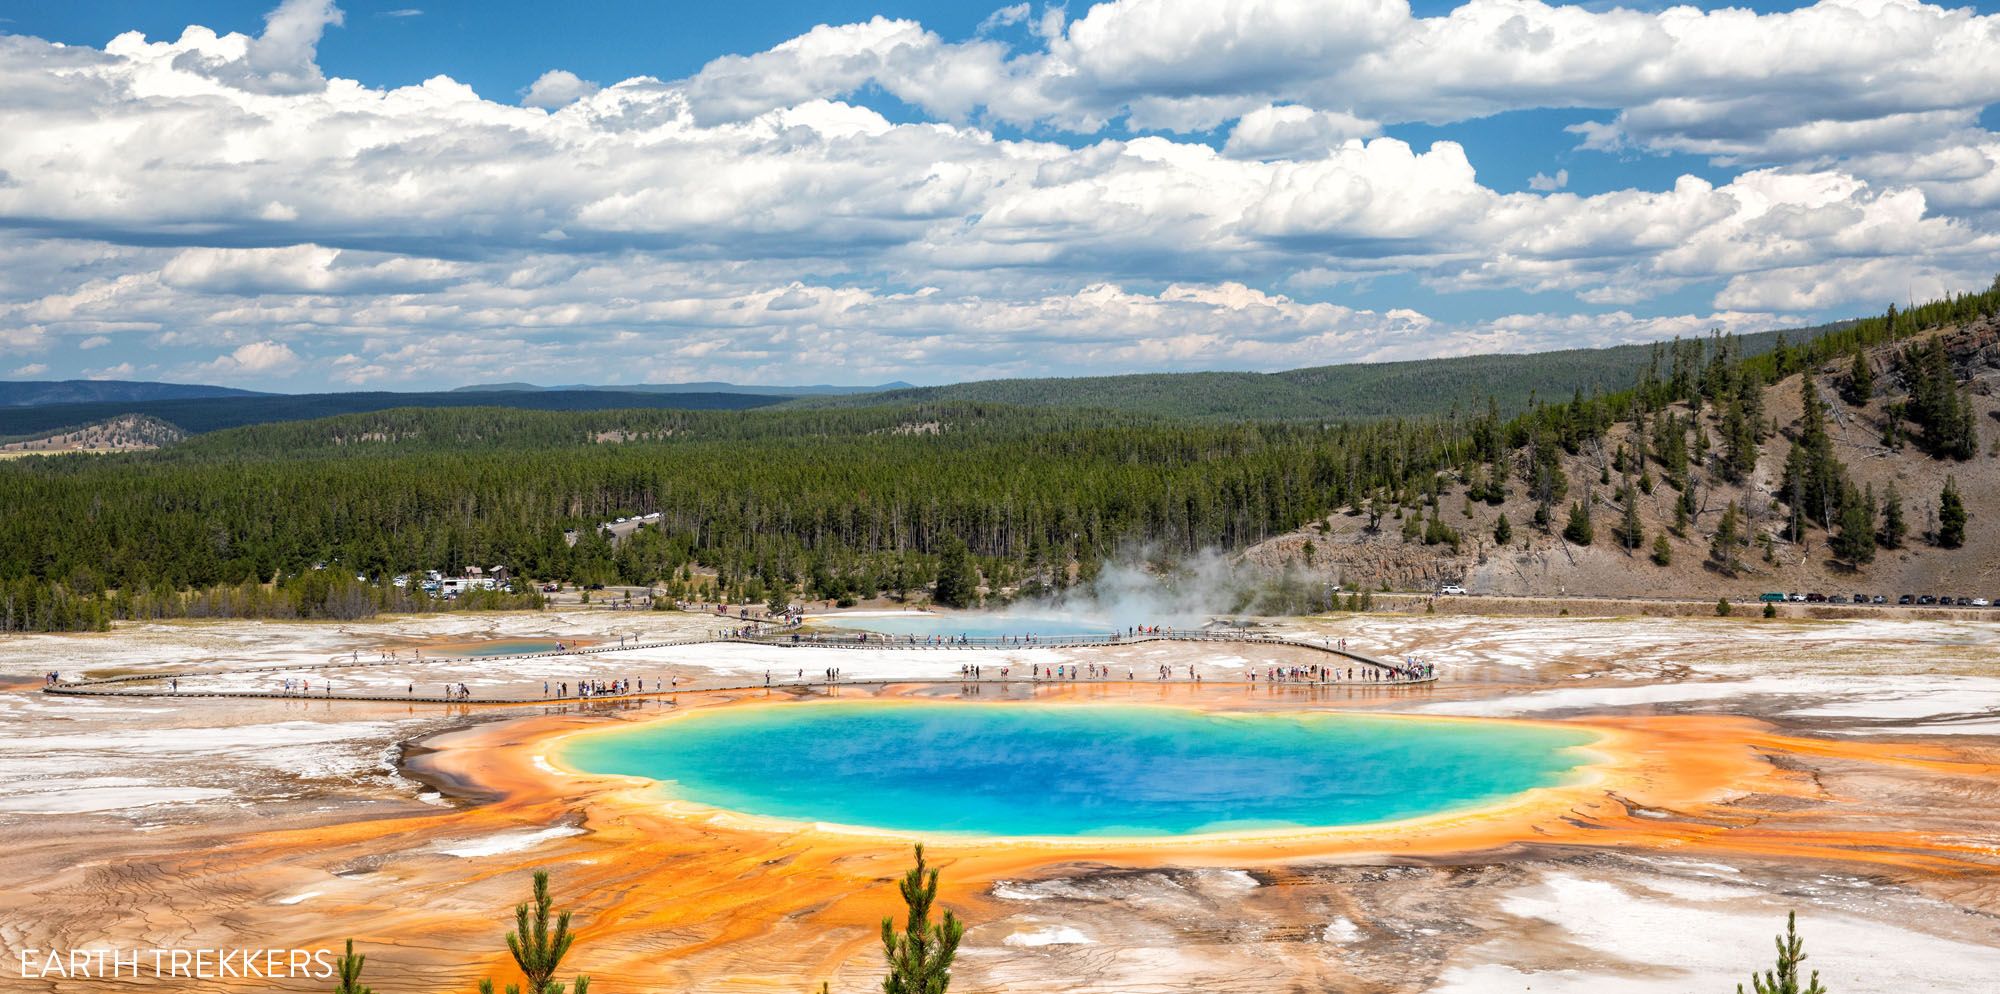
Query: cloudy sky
x,y
418,194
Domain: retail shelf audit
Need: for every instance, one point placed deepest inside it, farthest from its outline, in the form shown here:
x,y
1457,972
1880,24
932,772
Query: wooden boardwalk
x,y
1382,674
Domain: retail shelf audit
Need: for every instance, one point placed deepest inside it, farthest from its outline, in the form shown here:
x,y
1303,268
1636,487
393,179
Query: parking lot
x,y
1900,600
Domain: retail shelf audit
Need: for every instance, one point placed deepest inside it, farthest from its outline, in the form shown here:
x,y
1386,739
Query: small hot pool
x,y
508,647
1017,770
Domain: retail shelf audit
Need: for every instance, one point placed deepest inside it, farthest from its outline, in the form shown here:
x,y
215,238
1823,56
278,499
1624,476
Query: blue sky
x,y
864,191
501,46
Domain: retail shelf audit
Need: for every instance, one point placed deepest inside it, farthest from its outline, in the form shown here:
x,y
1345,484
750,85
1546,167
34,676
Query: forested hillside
x,y
869,497
705,386
1866,464
1417,388
840,502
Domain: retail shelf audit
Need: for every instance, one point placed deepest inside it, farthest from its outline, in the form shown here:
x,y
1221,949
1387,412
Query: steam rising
x,y
1185,592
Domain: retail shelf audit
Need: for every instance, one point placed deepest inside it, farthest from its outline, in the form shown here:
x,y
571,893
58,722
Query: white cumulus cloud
x,y
266,357
557,88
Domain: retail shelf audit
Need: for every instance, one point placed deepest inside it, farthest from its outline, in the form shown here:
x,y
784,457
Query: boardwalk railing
x,y
876,640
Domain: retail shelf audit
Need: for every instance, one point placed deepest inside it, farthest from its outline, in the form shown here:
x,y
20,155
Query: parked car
x,y
1815,598
1965,602
550,588
1927,599
1906,599
1772,598
1451,588
1858,599
1879,599
1798,598
1981,602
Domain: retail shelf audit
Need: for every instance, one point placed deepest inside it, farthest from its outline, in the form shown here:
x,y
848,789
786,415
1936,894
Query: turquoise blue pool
x,y
977,625
1017,770
511,647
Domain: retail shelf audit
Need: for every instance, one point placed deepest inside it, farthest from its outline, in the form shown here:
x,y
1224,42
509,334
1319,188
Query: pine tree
x,y
1963,442
1892,427
1951,516
1739,443
1855,541
1782,358
1503,531
1893,525
920,956
1785,979
350,973
1663,551
1727,542
1860,386
957,580
1579,529
1814,479
1936,404
1631,532
536,950
1670,447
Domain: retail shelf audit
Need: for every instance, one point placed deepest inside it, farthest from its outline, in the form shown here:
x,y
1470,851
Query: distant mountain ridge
x,y
205,414
33,393
1354,391
705,386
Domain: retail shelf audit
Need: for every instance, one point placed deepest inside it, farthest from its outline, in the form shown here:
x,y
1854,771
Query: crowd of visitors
x,y
1355,669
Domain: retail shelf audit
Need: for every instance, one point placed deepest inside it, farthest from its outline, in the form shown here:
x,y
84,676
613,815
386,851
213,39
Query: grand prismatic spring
x,y
1105,770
